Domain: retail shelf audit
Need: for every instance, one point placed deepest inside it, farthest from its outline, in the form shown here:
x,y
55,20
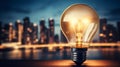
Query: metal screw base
x,y
78,55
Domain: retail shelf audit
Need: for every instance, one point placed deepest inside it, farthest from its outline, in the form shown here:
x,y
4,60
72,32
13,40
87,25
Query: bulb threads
x,y
78,55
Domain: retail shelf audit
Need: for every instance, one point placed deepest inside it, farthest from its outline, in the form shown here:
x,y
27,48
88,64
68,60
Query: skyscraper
x,y
19,31
43,32
51,30
56,38
27,31
108,33
5,33
34,34
63,38
0,32
10,32
103,30
118,28
112,34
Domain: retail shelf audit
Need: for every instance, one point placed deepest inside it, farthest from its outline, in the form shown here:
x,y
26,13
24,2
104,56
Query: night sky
x,y
11,10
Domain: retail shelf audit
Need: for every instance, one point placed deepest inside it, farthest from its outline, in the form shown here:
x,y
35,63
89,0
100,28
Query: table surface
x,y
58,63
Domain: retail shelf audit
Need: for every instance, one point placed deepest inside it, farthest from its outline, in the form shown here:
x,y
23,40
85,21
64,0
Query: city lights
x,y
21,31
59,33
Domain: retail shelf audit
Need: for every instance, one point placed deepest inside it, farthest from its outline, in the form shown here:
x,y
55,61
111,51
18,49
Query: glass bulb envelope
x,y
79,24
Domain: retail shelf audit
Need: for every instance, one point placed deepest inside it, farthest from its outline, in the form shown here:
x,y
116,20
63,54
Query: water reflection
x,y
56,53
94,53
113,53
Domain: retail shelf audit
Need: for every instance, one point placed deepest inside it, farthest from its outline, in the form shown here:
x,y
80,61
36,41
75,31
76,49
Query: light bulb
x,y
79,23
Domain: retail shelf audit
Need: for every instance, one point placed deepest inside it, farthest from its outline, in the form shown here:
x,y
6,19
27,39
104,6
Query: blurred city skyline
x,y
28,32
12,10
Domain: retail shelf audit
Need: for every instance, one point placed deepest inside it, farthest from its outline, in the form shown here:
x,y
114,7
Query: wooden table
x,y
58,63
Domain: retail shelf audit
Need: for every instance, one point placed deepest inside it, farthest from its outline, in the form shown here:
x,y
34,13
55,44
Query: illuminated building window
x,y
29,30
110,34
101,35
104,27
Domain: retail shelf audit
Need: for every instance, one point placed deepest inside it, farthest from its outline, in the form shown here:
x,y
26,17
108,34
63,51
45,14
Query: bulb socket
x,y
78,55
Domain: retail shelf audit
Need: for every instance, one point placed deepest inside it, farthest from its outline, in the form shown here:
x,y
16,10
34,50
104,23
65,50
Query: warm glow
x,y
17,45
104,27
86,20
28,29
18,21
10,24
101,35
34,24
110,34
50,48
79,23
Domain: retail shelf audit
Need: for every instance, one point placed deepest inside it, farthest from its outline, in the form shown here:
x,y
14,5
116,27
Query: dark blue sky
x,y
11,10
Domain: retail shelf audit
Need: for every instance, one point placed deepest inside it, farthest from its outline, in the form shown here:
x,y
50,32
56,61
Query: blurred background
x,y
30,30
